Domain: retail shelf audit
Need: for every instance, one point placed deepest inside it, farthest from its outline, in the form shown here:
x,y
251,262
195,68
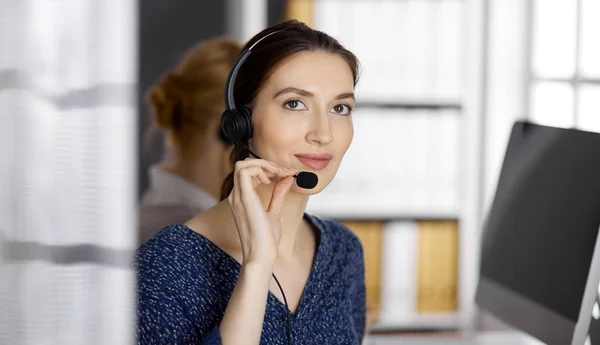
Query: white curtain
x,y
68,70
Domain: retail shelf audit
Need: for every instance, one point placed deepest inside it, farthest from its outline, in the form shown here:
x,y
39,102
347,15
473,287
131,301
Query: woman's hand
x,y
259,229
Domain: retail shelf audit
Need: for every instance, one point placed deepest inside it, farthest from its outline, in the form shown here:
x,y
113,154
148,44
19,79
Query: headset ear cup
x,y
236,126
229,127
247,119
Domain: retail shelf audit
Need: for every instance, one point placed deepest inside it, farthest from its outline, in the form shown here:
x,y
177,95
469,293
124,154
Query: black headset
x,y
236,128
236,121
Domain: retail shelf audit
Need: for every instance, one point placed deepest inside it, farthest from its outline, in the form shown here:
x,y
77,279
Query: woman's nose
x,y
320,131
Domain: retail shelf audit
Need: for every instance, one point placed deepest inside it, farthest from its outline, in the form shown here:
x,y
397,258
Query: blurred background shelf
x,y
386,218
409,104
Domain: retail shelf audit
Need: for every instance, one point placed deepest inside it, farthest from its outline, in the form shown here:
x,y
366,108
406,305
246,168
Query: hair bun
x,y
188,98
166,99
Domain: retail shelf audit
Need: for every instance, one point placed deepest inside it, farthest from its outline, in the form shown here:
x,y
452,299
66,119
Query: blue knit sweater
x,y
185,281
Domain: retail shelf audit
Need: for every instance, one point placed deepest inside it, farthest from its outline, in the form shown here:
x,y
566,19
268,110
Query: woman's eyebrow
x,y
306,93
345,95
294,90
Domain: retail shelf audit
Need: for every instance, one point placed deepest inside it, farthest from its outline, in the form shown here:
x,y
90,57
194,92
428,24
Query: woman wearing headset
x,y
220,278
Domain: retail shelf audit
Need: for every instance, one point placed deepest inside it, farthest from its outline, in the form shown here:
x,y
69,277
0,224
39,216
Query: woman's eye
x,y
342,109
294,105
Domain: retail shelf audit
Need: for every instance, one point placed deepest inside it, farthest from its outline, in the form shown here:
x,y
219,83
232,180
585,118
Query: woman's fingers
x,y
249,173
257,175
266,165
279,192
251,218
245,182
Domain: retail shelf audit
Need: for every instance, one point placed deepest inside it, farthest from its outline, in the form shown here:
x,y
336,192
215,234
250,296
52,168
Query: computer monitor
x,y
540,253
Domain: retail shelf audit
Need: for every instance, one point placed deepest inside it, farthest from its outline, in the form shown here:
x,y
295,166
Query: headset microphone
x,y
304,179
307,180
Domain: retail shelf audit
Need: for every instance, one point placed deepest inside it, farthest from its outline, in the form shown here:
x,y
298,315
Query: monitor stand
x,y
594,329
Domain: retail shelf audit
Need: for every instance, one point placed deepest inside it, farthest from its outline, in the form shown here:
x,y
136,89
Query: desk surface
x,y
484,338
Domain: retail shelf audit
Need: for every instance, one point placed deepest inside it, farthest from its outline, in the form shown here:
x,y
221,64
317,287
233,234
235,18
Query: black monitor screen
x,y
541,231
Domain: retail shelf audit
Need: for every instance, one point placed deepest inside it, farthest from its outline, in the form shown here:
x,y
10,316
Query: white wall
x,y
506,84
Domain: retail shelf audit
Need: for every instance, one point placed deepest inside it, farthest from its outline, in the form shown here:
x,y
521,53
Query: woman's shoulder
x,y
161,254
177,252
182,280
153,218
169,242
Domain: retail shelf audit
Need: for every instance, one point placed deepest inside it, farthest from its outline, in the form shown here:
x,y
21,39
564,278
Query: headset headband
x,y
229,98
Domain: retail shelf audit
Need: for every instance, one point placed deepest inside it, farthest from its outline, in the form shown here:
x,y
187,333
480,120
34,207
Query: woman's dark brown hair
x,y
294,38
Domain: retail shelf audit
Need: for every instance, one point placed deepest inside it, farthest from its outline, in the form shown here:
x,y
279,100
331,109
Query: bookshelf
x,y
408,104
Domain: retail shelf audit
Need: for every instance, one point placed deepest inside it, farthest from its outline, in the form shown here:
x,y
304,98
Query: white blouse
x,y
170,199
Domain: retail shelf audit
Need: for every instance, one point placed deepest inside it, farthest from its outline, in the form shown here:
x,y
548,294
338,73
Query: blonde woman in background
x,y
187,105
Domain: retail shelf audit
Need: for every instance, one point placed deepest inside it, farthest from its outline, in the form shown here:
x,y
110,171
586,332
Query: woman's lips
x,y
315,161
